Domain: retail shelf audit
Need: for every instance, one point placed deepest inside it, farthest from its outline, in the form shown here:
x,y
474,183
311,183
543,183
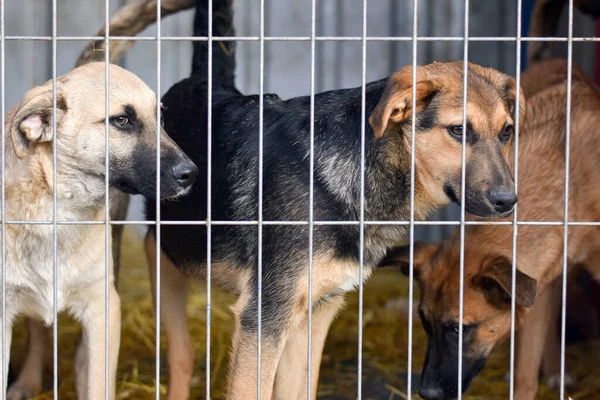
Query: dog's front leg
x,y
551,358
91,356
530,344
291,380
7,348
243,377
173,318
30,378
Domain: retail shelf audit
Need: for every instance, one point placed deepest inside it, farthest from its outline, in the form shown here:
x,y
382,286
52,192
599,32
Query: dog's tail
x,y
223,51
544,23
129,20
134,18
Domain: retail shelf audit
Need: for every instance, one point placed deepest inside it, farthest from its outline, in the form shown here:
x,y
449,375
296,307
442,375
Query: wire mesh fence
x,y
410,37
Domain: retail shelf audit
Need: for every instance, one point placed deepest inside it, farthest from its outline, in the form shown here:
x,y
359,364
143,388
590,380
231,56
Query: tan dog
x,y
80,143
29,380
488,249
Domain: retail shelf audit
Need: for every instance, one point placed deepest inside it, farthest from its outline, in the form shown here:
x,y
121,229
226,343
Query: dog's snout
x,y
185,173
503,199
431,393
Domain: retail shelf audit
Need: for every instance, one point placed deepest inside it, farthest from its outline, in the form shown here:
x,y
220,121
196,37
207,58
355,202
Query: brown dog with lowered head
x,y
488,248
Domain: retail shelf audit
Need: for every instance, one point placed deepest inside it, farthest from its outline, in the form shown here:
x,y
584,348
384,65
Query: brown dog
x,y
488,249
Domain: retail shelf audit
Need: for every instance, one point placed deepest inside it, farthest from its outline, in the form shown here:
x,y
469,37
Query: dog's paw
x,y
22,391
553,382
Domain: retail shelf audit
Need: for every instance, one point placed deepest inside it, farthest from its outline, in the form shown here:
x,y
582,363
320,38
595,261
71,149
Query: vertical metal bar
x,y
311,194
54,212
515,215
158,130
106,197
411,226
361,254
261,88
566,221
462,196
3,199
209,196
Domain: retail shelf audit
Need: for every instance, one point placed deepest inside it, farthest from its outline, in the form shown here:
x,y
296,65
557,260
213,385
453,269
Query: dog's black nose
x,y
185,173
431,393
503,199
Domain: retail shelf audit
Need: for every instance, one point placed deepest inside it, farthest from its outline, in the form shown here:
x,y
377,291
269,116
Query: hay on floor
x,y
384,345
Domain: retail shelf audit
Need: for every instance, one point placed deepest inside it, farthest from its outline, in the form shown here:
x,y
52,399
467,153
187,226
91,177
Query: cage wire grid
x,y
260,222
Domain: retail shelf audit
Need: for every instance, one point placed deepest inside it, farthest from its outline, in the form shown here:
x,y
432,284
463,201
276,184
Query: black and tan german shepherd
x,y
235,193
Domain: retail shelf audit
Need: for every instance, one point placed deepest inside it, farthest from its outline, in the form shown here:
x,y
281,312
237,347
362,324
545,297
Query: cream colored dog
x,y
80,191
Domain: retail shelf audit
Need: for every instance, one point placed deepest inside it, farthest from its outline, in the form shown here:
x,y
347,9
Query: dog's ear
x,y
32,122
510,97
395,105
399,257
496,280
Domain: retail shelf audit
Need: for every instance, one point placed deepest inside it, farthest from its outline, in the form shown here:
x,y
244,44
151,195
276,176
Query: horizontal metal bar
x,y
328,223
307,38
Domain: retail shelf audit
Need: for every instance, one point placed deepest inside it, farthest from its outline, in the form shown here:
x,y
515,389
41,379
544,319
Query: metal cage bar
x,y
209,196
411,226
462,196
107,228
566,201
515,211
158,221
361,248
313,32
261,110
54,207
300,222
307,38
5,359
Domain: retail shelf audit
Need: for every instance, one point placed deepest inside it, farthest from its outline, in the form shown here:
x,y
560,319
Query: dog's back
x,y
542,160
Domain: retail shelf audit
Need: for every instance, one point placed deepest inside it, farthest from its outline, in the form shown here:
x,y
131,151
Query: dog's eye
x,y
507,132
454,329
455,130
120,121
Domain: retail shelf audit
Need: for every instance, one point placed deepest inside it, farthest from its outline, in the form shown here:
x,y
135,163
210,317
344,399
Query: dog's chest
x,y
333,277
30,272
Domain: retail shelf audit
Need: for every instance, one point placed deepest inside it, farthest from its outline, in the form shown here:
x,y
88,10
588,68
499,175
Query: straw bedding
x,y
384,345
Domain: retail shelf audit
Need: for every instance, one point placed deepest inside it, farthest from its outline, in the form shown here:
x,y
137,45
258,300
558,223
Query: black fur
x,y
286,148
439,380
223,52
235,156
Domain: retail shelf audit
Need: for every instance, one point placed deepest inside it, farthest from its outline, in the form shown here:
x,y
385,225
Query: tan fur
x,y
291,380
173,298
328,277
438,155
541,194
29,380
